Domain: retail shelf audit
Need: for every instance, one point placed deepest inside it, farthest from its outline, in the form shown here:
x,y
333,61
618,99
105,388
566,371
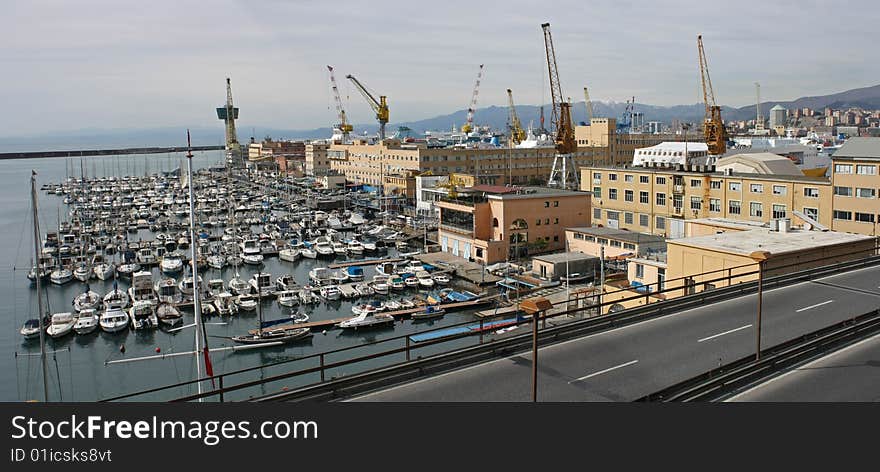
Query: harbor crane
x,y
379,106
564,172
469,125
343,126
713,126
517,134
589,104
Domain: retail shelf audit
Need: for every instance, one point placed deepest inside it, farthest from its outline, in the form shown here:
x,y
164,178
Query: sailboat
x,y
266,335
40,322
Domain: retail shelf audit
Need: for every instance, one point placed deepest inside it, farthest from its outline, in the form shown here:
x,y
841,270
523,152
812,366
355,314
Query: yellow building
x,y
855,182
614,148
317,162
656,200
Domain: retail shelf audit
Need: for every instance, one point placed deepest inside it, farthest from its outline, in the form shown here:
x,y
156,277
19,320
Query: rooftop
x,y
859,148
538,192
618,234
760,162
564,256
746,242
729,223
674,170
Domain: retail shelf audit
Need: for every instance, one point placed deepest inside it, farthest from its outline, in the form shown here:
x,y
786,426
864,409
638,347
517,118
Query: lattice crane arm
x,y
344,126
517,134
589,104
561,117
469,124
379,106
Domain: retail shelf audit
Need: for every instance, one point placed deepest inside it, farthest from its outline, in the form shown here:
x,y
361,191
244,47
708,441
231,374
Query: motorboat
x,y
320,275
407,304
366,320
267,335
61,276
385,268
286,282
216,261
104,270
289,255
113,320
252,259
142,288
308,253
338,276
31,328
215,287
380,285
364,289
167,291
330,292
323,246
355,273
411,281
143,315
61,324
355,247
224,302
86,321
396,283
128,269
82,272
442,279
250,247
425,279
168,314
392,305
246,302
261,283
116,298
288,298
430,311
306,297
87,299
237,285
171,264
186,285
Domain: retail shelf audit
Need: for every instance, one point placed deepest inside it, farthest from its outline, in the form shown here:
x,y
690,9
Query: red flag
x,y
209,369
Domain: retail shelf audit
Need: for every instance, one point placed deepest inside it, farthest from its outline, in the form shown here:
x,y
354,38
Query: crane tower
x,y
469,125
229,114
564,173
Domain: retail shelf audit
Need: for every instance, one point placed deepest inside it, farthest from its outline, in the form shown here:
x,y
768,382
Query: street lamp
x,y
534,307
761,258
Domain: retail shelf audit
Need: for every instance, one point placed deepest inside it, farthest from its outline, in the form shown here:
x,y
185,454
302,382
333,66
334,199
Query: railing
x,y
456,229
737,283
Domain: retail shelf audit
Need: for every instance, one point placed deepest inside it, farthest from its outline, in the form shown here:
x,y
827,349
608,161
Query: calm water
x,y
77,371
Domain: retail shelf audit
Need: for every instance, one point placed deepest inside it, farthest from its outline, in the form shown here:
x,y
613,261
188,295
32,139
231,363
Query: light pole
x,y
761,258
535,307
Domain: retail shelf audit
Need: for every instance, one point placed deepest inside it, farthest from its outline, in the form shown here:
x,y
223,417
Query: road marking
x,y
814,306
603,371
726,332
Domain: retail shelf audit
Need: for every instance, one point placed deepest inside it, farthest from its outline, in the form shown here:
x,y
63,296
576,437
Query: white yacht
x,y
116,298
323,246
167,291
186,285
104,270
168,314
289,255
330,292
171,264
86,321
338,248
143,315
86,300
61,276
113,320
261,283
61,324
142,288
319,275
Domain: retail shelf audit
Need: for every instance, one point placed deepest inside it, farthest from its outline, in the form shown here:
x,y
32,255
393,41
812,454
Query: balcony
x,y
678,189
677,210
469,232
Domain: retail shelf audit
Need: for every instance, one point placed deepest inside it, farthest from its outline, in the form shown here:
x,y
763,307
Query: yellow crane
x,y
564,172
517,134
469,124
589,104
343,124
713,125
379,106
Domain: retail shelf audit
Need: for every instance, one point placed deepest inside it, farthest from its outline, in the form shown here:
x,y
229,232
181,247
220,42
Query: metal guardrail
x,y
560,332
723,381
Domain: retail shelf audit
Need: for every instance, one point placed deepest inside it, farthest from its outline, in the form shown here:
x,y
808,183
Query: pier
x,y
104,152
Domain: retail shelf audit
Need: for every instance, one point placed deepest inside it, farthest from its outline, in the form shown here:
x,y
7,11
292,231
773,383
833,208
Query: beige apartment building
x,y
317,162
855,182
614,148
491,224
657,200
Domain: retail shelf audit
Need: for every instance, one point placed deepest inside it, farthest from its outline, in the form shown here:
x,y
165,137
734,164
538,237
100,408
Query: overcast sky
x,y
71,65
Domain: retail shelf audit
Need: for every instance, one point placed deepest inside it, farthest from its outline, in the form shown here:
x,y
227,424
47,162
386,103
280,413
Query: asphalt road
x,y
632,361
849,375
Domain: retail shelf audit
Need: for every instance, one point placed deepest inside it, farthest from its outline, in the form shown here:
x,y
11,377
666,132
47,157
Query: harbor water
x,y
77,364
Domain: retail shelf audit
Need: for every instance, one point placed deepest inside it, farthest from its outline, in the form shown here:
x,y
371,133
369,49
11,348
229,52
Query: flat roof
x,y
672,170
746,242
859,148
540,192
618,234
729,223
564,256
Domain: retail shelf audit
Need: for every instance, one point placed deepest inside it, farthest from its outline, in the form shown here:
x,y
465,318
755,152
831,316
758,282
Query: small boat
x,y
396,283
61,276
338,248
330,292
308,253
355,247
83,272
385,268
86,300
261,283
286,282
411,281
216,261
113,320
367,320
338,276
116,298
186,285
238,286
407,304
61,324
355,273
284,335
143,315
104,270
442,279
319,275
215,287
252,259
31,328
126,270
392,305
289,255
224,302
288,298
429,312
86,321
246,302
380,286
171,264
425,279
364,289
168,314
306,297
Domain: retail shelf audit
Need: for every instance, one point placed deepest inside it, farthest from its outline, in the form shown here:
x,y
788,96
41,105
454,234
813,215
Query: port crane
x,y
469,124
564,172
379,106
713,126
517,134
343,126
589,104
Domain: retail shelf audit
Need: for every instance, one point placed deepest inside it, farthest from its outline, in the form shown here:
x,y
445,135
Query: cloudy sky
x,y
71,65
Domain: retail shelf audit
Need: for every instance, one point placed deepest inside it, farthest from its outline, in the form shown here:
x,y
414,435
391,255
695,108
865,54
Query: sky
x,y
111,64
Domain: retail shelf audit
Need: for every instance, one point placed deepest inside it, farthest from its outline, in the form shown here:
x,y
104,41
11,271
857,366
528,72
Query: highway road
x,y
626,363
851,374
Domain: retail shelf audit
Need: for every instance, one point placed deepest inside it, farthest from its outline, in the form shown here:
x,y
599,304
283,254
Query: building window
x,y
661,180
546,221
556,238
612,177
661,199
779,190
614,243
778,211
865,217
602,241
640,271
628,178
660,222
756,209
866,192
756,188
812,213
715,184
811,192
612,194
546,204
555,203
843,191
597,192
597,176
644,198
628,218
842,215
597,213
715,205
866,170
538,222
629,246
696,203
578,236
644,179
843,168
696,183
734,186
628,195
677,202
643,220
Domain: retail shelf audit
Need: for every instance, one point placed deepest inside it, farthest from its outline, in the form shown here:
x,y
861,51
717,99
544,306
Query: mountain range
x,y
494,116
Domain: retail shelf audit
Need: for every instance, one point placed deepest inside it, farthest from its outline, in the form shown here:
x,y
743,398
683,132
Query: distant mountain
x,y
493,116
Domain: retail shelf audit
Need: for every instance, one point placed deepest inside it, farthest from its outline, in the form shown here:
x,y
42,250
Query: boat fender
x,y
158,349
122,348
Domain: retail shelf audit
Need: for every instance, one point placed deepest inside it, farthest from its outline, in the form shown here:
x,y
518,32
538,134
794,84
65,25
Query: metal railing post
x,y
407,348
221,388
322,367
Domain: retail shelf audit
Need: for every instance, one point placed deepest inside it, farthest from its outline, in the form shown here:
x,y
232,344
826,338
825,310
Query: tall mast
x,y
201,341
39,283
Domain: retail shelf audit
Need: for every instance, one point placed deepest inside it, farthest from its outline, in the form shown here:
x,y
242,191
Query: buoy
x,y
122,349
158,349
324,332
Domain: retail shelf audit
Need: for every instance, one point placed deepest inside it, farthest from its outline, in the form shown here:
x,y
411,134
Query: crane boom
x,y
343,125
561,116
713,126
379,106
589,104
517,134
469,125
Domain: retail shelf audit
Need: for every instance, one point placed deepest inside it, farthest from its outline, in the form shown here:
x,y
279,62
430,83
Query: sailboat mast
x,y
38,278
194,262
